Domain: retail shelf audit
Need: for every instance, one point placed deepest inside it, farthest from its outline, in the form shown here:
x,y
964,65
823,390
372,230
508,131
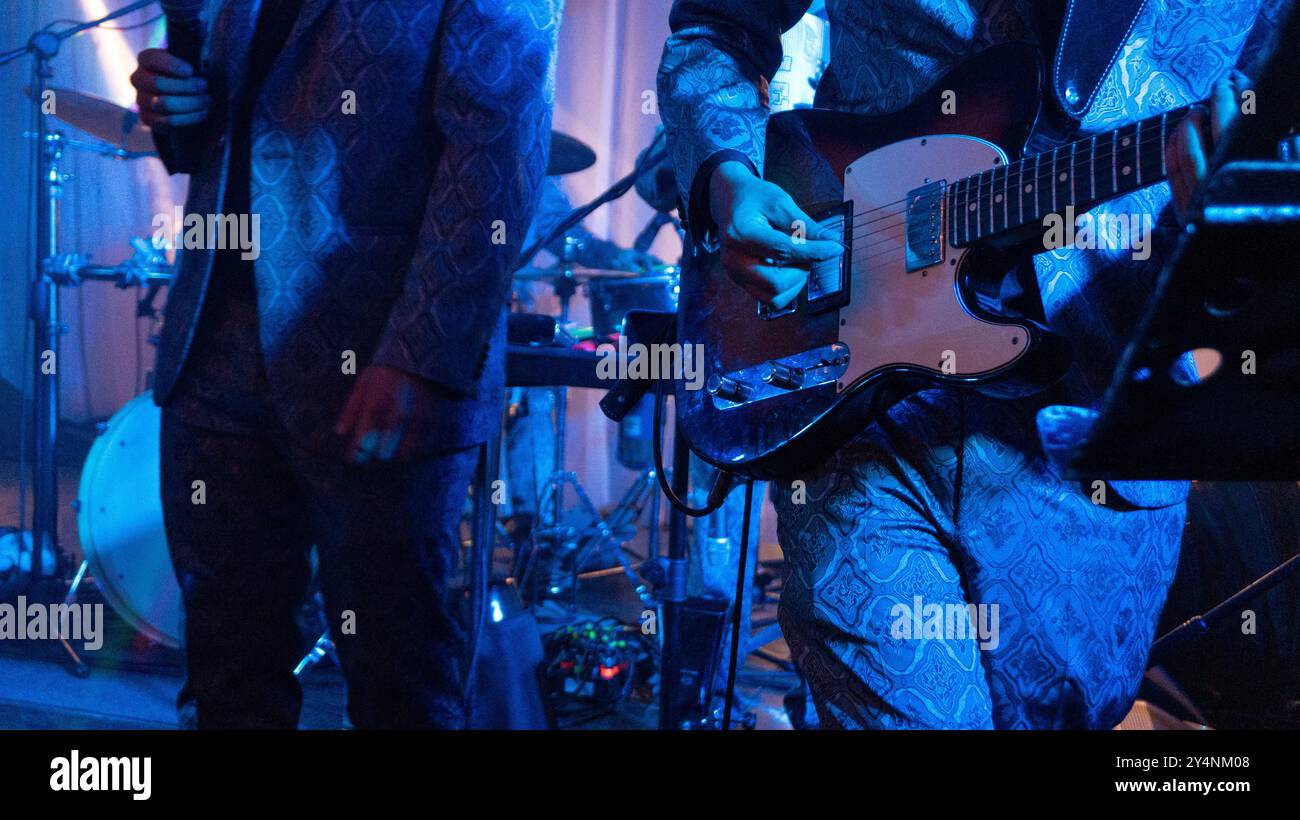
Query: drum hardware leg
x,y
626,514
568,537
79,668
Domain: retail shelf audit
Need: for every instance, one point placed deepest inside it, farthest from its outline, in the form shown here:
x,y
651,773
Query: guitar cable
x,y
736,608
717,497
721,485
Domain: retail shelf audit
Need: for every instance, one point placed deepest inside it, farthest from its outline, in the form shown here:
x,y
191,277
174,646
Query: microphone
x,y
184,30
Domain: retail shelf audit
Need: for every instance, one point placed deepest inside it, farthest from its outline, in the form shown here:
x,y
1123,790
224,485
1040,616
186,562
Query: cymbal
x,y
579,274
568,155
118,126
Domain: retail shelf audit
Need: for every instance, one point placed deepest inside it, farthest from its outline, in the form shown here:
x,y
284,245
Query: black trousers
x,y
242,507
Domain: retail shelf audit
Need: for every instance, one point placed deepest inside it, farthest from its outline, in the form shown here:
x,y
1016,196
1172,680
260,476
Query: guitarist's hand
x,y
1192,142
757,225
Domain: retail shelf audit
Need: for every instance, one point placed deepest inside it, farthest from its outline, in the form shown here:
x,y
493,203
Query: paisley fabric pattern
x,y
920,506
386,537
1176,52
390,232
884,53
952,497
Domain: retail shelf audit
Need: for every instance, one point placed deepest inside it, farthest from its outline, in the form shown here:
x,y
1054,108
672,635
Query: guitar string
x,y
967,195
894,241
897,212
1146,140
897,233
858,238
1109,149
1042,174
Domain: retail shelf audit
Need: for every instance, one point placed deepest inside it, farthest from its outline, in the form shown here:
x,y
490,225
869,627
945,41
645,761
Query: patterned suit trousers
x,y
927,513
386,539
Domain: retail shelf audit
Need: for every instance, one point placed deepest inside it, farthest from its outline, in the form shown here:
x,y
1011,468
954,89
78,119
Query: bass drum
x,y
120,520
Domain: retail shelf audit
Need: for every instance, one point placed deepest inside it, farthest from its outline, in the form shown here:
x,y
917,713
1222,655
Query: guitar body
x,y
890,331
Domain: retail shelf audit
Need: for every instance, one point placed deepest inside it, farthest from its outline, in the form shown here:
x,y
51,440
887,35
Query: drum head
x,y
121,523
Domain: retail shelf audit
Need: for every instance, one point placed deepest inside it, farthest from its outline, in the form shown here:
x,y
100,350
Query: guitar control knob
x,y
725,387
783,376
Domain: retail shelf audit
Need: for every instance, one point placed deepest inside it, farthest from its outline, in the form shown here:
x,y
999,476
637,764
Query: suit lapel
x,y
235,25
236,21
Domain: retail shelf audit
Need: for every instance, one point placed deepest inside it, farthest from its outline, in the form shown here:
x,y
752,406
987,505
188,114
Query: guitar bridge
x,y
925,207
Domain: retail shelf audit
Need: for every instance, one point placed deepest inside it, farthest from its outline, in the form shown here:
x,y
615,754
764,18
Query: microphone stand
x,y
43,295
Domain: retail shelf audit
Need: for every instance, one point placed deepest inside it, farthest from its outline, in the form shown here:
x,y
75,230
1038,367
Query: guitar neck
x,y
1078,175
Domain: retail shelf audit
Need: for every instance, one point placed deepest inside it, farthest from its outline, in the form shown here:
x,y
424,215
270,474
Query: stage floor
x,y
132,682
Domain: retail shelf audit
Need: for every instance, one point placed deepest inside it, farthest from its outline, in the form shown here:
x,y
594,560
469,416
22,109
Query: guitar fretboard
x,y
1080,174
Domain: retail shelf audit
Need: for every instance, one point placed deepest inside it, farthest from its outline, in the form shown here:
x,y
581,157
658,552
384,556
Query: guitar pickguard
x,y
915,319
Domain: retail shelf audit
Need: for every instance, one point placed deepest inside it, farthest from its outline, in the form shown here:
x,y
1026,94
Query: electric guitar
x,y
933,211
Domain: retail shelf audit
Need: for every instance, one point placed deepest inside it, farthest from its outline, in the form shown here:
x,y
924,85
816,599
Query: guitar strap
x,y
1092,34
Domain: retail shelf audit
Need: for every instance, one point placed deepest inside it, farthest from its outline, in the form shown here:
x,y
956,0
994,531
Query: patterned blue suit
x,y
951,500
388,235
389,232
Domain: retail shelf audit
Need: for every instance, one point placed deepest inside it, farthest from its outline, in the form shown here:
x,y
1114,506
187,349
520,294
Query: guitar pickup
x,y
779,377
925,207
828,281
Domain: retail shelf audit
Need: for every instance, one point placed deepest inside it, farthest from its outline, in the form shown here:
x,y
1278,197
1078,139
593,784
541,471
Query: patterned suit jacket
x,y
885,53
387,234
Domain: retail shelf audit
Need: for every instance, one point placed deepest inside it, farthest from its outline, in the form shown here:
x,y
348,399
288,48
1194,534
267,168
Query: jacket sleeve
x,y
713,79
494,87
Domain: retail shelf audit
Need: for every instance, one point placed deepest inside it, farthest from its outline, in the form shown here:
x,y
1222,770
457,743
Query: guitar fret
x,y
1035,187
956,210
1114,161
1135,157
1006,196
1073,151
966,209
975,234
993,200
965,197
987,194
1092,168
979,222
1137,149
954,207
1020,192
1054,150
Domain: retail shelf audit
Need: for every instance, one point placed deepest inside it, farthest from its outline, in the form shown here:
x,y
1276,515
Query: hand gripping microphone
x,y
184,31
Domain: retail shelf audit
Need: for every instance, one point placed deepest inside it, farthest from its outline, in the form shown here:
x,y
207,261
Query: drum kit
x,y
119,511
